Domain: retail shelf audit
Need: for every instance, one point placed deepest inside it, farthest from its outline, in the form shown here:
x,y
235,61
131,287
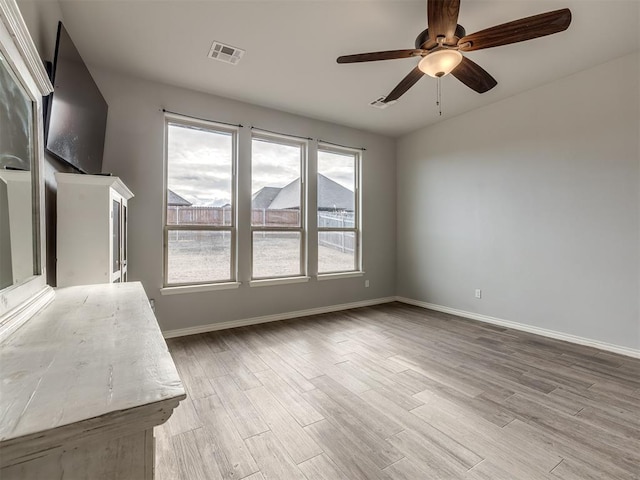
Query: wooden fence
x,y
274,218
221,216
343,241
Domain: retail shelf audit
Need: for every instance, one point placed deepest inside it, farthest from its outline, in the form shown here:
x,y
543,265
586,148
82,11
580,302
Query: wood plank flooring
x,y
398,392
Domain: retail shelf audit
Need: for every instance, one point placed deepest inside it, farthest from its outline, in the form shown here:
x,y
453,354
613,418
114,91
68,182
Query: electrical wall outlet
x,y
478,293
366,284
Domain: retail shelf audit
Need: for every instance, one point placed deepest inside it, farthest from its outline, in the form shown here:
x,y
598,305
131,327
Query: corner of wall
x,y
42,21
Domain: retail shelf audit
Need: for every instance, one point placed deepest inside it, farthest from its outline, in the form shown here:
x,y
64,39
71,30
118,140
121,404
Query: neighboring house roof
x,y
288,197
263,197
331,196
175,200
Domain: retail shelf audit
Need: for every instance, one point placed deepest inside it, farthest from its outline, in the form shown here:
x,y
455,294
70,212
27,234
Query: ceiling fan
x,y
441,44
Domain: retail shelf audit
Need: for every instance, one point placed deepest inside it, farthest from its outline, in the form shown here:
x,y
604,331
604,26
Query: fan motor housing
x,y
424,42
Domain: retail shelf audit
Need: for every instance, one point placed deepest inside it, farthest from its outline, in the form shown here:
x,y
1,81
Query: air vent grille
x,y
226,53
381,104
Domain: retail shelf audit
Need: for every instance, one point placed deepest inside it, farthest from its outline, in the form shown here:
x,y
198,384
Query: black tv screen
x,y
77,113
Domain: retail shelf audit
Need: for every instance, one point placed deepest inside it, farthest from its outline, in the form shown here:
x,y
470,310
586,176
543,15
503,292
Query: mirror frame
x,y
21,301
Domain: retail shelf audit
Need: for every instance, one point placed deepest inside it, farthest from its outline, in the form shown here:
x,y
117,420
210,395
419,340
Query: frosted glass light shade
x,y
440,63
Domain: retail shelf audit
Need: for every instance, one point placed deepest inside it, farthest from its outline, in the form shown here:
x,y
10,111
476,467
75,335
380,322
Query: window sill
x,y
198,288
335,276
277,281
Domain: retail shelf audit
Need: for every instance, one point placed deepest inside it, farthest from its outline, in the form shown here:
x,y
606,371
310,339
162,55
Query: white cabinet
x,y
91,229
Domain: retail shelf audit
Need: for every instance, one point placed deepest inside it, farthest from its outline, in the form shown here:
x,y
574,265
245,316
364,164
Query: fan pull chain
x,y
439,96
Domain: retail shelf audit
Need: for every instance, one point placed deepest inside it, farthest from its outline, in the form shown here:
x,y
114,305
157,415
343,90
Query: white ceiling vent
x,y
225,53
381,104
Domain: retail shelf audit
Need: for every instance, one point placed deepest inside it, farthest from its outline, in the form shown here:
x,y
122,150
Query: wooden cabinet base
x,y
126,458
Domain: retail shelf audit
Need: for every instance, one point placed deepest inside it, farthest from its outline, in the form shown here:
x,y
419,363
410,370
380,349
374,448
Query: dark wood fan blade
x,y
406,83
442,18
474,76
518,30
375,56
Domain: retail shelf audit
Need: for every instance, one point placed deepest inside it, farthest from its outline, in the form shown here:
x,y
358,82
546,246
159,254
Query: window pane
x,y
199,176
275,184
276,254
336,252
337,204
198,256
336,185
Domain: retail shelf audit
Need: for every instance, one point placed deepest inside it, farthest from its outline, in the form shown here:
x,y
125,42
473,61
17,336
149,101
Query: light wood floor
x,y
397,392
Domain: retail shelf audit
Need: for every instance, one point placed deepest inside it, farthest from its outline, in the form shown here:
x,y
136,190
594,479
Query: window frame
x,y
357,228
188,122
302,228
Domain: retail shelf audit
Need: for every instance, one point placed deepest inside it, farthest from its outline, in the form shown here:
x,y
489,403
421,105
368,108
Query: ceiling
x,y
292,46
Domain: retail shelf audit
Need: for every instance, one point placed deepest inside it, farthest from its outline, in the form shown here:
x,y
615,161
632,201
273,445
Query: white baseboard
x,y
629,352
212,327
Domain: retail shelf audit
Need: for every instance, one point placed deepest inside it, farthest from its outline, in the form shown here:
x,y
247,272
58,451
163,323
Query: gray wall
x,y
42,19
134,152
534,200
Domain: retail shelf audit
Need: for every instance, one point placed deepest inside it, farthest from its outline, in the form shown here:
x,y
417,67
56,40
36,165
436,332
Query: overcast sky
x,y
199,167
339,168
273,164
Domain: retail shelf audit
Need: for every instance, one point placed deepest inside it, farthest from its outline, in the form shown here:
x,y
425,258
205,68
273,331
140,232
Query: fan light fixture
x,y
443,42
440,63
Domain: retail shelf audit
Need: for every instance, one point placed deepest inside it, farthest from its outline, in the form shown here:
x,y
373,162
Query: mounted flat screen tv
x,y
77,113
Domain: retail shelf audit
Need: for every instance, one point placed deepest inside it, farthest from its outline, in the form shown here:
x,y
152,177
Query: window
x,y
338,210
277,207
200,222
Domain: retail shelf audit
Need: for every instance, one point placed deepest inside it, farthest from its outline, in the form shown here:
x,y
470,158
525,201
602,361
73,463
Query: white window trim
x,y
209,287
358,268
302,229
233,228
268,282
339,275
